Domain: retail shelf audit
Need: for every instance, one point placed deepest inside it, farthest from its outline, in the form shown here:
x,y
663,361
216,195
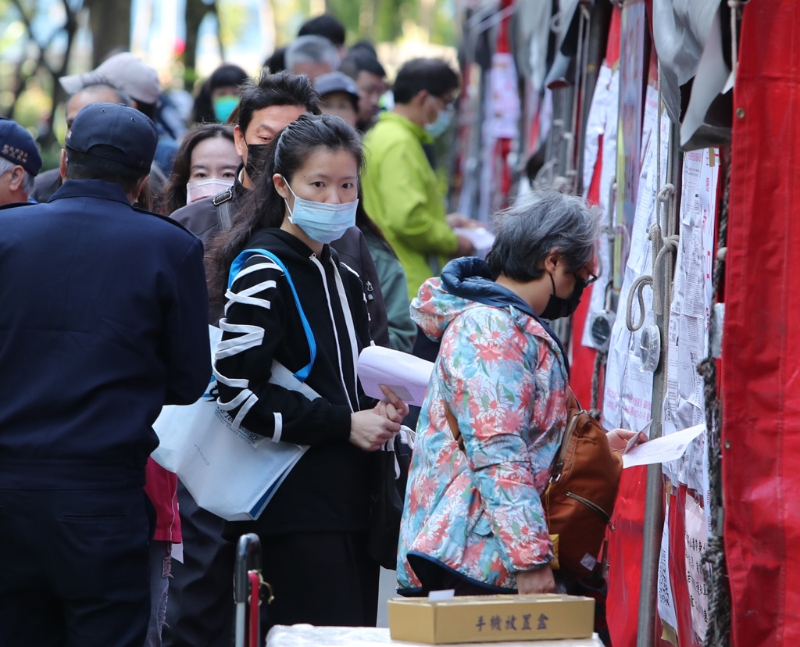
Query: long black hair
x,y
263,207
174,196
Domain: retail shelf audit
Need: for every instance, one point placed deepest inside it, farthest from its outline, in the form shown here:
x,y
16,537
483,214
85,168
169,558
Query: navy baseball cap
x,y
114,132
18,147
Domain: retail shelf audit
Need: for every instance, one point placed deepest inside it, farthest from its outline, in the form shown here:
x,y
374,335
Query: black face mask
x,y
558,307
256,157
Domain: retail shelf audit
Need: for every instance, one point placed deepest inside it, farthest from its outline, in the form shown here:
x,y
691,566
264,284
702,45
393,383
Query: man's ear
x,y
17,178
420,98
62,164
239,143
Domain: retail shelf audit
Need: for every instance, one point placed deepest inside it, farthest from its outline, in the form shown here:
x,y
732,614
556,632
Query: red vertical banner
x,y
761,371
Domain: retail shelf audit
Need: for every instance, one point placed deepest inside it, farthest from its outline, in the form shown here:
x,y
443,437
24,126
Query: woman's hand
x,y
539,581
393,408
369,431
618,439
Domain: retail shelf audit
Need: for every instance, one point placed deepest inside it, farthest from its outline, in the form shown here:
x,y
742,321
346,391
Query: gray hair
x,y
535,225
311,49
28,180
103,84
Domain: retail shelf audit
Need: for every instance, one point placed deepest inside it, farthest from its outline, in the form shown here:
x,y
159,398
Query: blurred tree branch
x,y
23,76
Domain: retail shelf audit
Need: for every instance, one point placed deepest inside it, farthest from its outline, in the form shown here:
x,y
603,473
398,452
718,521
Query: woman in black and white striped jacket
x,y
290,300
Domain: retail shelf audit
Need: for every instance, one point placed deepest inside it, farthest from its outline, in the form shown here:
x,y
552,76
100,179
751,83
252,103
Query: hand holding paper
x,y
480,237
662,450
407,376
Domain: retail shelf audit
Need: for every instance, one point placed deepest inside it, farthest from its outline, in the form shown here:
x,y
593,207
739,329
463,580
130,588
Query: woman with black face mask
x,y
473,518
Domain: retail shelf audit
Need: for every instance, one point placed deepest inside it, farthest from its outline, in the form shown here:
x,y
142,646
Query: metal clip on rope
x,y
661,245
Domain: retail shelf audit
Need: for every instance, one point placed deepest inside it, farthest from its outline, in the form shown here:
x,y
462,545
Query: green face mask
x,y
224,106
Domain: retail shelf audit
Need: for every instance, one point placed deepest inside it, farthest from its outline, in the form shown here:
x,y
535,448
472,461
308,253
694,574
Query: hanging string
x,y
719,597
599,363
663,246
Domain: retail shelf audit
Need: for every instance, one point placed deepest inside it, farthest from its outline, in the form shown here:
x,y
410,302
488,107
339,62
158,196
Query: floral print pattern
x,y
479,512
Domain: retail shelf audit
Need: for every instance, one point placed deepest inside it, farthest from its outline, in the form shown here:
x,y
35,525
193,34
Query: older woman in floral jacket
x,y
473,519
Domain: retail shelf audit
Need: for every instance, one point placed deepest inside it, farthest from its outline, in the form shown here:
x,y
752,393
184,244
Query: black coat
x,y
328,488
102,322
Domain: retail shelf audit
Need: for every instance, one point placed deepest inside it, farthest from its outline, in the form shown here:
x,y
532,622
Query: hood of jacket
x,y
465,282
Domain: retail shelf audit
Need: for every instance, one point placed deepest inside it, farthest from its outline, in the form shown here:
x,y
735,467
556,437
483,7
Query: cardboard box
x,y
491,618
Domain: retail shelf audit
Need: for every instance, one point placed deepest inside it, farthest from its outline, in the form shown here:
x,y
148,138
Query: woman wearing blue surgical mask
x,y
290,302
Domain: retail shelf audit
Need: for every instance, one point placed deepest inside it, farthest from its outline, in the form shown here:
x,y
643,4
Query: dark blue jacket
x,y
103,314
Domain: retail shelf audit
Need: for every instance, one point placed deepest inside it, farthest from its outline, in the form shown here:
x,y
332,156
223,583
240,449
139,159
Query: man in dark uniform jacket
x,y
102,322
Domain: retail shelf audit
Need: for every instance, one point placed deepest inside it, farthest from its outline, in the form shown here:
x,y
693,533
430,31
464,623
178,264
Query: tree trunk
x,y
110,23
196,10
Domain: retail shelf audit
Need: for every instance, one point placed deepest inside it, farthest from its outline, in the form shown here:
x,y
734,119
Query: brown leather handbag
x,y
579,499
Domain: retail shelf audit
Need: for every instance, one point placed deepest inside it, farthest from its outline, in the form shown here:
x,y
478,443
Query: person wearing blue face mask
x,y
289,299
401,189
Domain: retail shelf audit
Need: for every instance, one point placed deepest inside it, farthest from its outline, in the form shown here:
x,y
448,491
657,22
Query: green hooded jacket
x,y
401,194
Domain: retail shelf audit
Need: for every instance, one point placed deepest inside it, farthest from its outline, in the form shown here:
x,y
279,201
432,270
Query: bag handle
x,y
236,267
453,424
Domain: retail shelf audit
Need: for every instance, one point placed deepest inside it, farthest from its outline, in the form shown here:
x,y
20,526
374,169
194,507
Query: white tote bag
x,y
230,472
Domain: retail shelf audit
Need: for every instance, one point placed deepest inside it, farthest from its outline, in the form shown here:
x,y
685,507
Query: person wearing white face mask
x,y
205,165
289,299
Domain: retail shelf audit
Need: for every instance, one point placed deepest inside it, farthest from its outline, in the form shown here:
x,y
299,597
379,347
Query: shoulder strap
x,y
453,424
237,265
573,410
222,201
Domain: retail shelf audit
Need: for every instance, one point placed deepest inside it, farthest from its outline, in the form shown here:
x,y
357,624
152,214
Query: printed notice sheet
x,y
696,539
690,311
628,388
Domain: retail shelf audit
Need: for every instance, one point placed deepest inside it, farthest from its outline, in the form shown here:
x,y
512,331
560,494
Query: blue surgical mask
x,y
321,221
442,123
224,106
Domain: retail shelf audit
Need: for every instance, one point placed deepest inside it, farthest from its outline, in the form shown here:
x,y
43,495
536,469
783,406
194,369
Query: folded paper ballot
x,y
406,375
661,450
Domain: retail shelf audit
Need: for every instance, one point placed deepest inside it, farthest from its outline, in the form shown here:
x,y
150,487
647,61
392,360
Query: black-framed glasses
x,y
587,281
448,103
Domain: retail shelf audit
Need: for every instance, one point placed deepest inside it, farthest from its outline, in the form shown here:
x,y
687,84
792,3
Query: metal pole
x,y
654,503
248,557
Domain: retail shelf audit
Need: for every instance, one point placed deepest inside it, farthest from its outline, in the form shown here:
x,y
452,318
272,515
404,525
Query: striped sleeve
x,y
254,327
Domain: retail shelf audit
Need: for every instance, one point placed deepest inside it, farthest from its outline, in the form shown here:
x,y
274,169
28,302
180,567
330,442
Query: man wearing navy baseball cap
x,y
103,313
19,162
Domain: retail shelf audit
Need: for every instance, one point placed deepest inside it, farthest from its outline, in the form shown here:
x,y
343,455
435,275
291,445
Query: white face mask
x,y
205,189
321,221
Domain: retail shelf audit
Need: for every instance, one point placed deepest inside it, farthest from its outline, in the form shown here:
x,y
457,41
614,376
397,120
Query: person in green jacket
x,y
401,192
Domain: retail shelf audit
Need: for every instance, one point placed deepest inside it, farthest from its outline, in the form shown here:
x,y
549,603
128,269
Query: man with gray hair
x,y
19,162
312,56
48,182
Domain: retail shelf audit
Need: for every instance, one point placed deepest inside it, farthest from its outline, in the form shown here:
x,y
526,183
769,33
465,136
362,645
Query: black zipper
x,y
593,507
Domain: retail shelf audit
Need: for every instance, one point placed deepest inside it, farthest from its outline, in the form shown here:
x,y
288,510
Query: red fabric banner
x,y
761,372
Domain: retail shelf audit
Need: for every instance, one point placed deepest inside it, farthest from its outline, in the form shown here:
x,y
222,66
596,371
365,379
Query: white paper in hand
x,y
662,450
481,238
406,375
